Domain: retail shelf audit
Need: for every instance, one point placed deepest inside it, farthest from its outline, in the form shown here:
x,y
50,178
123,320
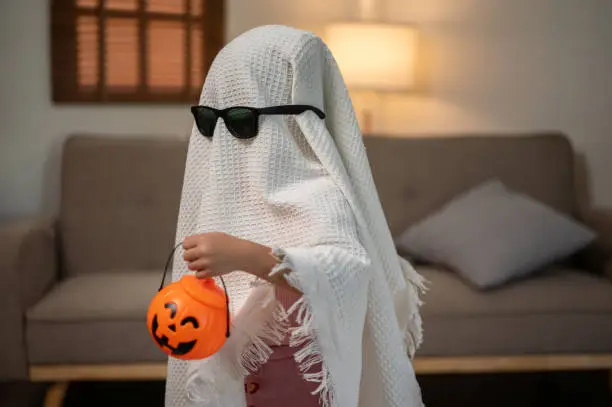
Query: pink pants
x,y
279,383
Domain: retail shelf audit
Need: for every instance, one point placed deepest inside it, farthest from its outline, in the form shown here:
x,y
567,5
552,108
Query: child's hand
x,y
215,254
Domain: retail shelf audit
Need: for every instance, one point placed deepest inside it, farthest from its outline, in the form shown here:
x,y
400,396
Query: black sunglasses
x,y
242,122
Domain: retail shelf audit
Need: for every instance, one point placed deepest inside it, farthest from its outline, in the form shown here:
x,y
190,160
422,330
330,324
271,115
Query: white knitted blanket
x,y
303,186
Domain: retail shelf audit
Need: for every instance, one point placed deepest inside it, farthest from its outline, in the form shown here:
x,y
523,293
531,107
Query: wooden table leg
x,y
56,394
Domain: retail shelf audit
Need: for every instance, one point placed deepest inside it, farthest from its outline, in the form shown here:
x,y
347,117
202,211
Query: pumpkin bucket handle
x,y
170,257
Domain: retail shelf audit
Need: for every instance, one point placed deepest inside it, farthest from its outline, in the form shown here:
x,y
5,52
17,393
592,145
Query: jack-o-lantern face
x,y
167,330
188,319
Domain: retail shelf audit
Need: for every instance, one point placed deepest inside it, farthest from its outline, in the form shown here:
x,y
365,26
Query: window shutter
x,y
133,50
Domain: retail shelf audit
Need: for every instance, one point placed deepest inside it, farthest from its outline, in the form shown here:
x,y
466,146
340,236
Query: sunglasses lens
x,y
205,120
242,122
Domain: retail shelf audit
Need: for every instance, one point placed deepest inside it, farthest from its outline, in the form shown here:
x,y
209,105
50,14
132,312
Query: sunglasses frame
x,y
272,110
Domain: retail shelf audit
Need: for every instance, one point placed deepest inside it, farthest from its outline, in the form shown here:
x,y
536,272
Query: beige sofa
x,y
75,288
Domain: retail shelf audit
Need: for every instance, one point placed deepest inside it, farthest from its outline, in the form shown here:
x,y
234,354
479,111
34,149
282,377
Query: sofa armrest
x,y
28,268
598,256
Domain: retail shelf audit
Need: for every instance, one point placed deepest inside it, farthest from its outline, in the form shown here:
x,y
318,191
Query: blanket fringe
x,y
418,286
258,350
309,356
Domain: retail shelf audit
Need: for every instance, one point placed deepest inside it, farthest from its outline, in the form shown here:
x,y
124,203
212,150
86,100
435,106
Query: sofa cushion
x,y
119,201
417,175
94,318
558,311
490,234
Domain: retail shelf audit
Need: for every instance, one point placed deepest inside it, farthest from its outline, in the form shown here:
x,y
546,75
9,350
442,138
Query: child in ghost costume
x,y
282,200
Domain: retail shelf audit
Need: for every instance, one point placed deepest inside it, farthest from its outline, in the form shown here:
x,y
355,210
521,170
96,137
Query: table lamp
x,y
373,57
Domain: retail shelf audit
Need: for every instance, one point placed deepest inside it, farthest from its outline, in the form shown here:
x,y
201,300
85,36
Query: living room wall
x,y
485,66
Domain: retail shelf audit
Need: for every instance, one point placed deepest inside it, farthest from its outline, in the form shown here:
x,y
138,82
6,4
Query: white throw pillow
x,y
491,235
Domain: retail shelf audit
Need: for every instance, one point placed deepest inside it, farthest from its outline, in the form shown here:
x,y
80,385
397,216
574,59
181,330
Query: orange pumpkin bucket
x,y
189,319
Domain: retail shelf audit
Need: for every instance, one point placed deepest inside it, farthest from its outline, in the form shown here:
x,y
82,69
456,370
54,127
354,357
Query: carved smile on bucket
x,y
162,339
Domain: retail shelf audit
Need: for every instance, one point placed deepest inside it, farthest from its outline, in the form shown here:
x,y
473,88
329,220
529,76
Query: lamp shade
x,y
377,57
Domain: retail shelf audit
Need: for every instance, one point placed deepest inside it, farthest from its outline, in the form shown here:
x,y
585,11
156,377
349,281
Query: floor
x,y
504,390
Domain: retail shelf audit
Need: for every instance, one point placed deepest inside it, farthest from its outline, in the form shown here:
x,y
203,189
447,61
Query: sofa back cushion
x,y
119,202
417,175
120,195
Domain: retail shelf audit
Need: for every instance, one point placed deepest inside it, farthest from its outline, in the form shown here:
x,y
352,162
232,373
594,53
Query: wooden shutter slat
x,y
88,3
165,56
87,52
150,15
197,58
127,5
166,6
121,58
197,8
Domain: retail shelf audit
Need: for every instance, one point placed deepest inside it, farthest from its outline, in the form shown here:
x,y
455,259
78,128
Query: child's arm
x,y
215,254
263,261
